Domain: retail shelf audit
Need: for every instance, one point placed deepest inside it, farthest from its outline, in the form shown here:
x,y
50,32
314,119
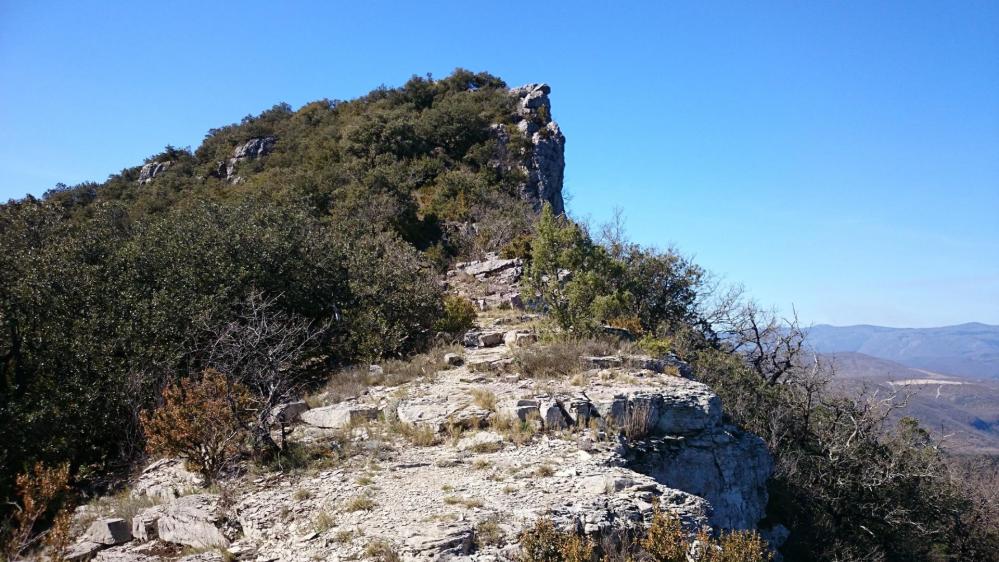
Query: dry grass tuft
x,y
324,521
488,533
544,471
484,399
487,447
419,435
515,430
382,551
461,500
358,503
560,359
353,381
640,420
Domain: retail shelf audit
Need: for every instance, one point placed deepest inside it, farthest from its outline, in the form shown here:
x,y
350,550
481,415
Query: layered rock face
x,y
545,161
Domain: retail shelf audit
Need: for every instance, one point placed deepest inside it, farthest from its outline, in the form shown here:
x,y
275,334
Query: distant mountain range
x,y
969,350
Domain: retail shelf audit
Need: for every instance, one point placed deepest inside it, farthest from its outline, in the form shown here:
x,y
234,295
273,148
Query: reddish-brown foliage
x,y
41,492
204,421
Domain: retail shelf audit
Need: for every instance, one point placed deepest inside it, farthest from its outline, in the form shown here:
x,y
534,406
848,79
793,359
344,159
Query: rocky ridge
x,y
456,463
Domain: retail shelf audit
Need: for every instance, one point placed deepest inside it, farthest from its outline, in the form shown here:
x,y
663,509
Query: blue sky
x,y
841,157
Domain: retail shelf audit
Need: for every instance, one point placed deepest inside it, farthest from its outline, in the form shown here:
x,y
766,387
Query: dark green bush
x,y
97,314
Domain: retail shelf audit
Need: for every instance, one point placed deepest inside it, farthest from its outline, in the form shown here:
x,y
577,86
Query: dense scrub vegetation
x,y
666,540
412,160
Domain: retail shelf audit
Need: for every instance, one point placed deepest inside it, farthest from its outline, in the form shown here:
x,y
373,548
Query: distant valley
x,y
951,375
969,350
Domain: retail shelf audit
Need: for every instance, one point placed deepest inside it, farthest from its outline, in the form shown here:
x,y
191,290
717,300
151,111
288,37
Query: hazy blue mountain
x,y
970,350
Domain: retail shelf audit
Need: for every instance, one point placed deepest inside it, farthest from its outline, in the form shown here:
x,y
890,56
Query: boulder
x,y
144,524
519,338
453,359
289,412
490,339
688,407
552,415
726,466
490,267
153,169
440,411
579,409
108,531
545,162
166,479
480,440
193,521
522,410
249,150
435,542
604,362
339,416
83,551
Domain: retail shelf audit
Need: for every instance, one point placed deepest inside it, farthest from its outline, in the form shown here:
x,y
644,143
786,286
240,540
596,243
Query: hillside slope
x,y
458,459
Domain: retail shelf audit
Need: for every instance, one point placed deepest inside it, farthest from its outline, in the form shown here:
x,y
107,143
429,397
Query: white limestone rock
x,y
339,416
193,521
166,479
108,531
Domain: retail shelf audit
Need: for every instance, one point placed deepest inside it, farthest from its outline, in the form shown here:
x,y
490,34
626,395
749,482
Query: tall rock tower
x,y
545,162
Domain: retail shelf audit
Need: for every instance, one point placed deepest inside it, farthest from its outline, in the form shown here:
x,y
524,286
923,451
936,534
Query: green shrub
x,y
459,315
519,247
656,347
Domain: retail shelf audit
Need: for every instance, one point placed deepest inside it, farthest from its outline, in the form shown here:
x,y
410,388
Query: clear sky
x,y
842,157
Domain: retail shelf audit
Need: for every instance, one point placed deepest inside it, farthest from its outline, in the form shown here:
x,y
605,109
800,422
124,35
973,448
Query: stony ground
x,y
454,464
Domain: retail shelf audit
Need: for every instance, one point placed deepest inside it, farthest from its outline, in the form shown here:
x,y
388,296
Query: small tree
x,y
200,420
772,346
459,313
262,349
576,279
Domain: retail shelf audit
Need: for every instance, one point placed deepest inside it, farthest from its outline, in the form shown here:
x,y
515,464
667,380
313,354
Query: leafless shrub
x,y
772,346
41,492
263,348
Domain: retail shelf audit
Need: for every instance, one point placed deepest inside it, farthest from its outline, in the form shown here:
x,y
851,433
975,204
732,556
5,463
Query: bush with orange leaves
x,y
43,494
665,541
203,421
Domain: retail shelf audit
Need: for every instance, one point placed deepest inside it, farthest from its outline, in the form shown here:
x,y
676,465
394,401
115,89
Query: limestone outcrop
x,y
249,150
456,463
544,162
153,169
